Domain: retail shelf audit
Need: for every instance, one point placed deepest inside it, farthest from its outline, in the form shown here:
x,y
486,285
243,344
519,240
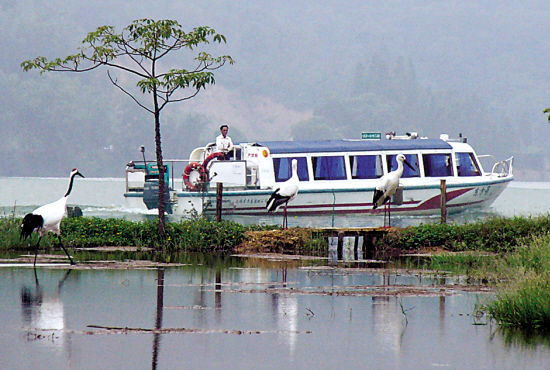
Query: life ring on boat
x,y
193,175
209,158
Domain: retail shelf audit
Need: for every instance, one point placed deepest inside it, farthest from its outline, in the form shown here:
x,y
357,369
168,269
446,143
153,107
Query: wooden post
x,y
340,247
356,247
219,198
369,238
218,289
443,201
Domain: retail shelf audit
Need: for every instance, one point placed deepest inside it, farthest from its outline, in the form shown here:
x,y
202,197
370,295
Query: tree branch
x,y
180,99
127,93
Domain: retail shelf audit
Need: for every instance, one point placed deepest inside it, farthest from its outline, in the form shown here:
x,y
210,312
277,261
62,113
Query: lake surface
x,y
243,314
247,313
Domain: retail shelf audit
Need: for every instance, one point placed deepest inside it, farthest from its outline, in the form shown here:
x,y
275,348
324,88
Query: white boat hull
x,y
417,200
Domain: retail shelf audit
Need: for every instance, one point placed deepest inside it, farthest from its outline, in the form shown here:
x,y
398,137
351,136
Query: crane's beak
x,y
79,174
408,164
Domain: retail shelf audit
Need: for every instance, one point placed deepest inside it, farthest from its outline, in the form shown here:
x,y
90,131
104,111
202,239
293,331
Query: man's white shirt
x,y
224,144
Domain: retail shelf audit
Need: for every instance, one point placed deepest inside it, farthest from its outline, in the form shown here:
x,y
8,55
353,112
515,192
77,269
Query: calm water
x,y
241,314
244,317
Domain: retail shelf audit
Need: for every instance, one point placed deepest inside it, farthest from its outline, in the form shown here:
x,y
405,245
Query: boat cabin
x,y
323,163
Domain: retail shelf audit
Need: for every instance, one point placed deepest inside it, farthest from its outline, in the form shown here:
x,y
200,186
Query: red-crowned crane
x,y
48,218
285,193
387,186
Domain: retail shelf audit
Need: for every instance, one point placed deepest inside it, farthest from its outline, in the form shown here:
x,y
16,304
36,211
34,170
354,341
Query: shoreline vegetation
x,y
510,254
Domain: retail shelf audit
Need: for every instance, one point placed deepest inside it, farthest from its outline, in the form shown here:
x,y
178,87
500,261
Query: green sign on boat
x,y
371,135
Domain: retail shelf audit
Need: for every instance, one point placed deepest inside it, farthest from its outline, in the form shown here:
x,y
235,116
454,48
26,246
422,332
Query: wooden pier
x,y
363,237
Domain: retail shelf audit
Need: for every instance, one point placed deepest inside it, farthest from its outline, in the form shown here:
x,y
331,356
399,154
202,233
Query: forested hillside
x,y
303,70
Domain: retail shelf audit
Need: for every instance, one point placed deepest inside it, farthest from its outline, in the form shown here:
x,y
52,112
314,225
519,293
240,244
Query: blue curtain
x,y
407,172
365,166
329,168
437,165
283,168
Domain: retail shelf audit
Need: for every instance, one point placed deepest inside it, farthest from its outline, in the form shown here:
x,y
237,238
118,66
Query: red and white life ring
x,y
209,158
193,175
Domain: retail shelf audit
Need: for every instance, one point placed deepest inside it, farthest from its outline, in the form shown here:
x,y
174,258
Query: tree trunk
x,y
160,166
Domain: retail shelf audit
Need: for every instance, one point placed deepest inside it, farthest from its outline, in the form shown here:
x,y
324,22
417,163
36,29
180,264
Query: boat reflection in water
x,y
207,317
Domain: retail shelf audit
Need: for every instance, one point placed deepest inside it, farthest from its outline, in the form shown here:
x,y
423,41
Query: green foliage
x,y
197,235
526,305
191,235
496,234
201,235
10,236
137,50
522,276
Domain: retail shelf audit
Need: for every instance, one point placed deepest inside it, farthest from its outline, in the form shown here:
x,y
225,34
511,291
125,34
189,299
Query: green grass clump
x,y
193,235
519,270
497,234
523,300
525,305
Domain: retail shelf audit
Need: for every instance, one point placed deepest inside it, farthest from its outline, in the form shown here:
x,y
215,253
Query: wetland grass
x,y
521,278
524,301
525,304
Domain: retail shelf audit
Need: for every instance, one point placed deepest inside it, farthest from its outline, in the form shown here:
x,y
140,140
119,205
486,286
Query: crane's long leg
x,y
67,253
389,214
36,249
285,220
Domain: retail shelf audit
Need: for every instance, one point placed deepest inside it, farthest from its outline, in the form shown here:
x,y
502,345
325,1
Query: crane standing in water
x,y
387,186
48,218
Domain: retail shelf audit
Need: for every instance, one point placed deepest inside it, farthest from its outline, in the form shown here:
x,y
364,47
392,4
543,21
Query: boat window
x,y
329,168
365,166
438,165
407,172
283,168
467,165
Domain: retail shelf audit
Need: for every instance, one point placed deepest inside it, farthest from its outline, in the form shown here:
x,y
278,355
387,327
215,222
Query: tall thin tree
x,y
138,50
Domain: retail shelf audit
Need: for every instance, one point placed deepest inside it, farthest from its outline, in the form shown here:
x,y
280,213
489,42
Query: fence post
x,y
443,204
340,247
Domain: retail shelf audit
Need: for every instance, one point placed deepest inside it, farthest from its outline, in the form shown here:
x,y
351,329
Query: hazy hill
x,y
304,69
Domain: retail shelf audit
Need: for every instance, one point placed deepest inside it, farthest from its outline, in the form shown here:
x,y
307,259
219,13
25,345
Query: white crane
x,y
285,193
387,186
48,218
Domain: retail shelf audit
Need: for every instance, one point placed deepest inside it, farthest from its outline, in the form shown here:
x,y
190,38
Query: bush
x,y
496,234
197,235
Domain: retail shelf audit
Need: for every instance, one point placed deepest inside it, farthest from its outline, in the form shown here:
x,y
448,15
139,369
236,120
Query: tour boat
x,y
336,176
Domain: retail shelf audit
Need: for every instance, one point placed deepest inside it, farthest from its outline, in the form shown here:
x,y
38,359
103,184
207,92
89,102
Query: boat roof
x,y
315,146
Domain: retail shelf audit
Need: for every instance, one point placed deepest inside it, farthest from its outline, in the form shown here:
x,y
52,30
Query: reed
x,y
521,277
524,305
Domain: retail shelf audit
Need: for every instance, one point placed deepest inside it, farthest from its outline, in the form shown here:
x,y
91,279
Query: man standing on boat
x,y
224,144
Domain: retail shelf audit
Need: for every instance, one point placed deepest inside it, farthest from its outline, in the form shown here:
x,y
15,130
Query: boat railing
x,y
502,168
